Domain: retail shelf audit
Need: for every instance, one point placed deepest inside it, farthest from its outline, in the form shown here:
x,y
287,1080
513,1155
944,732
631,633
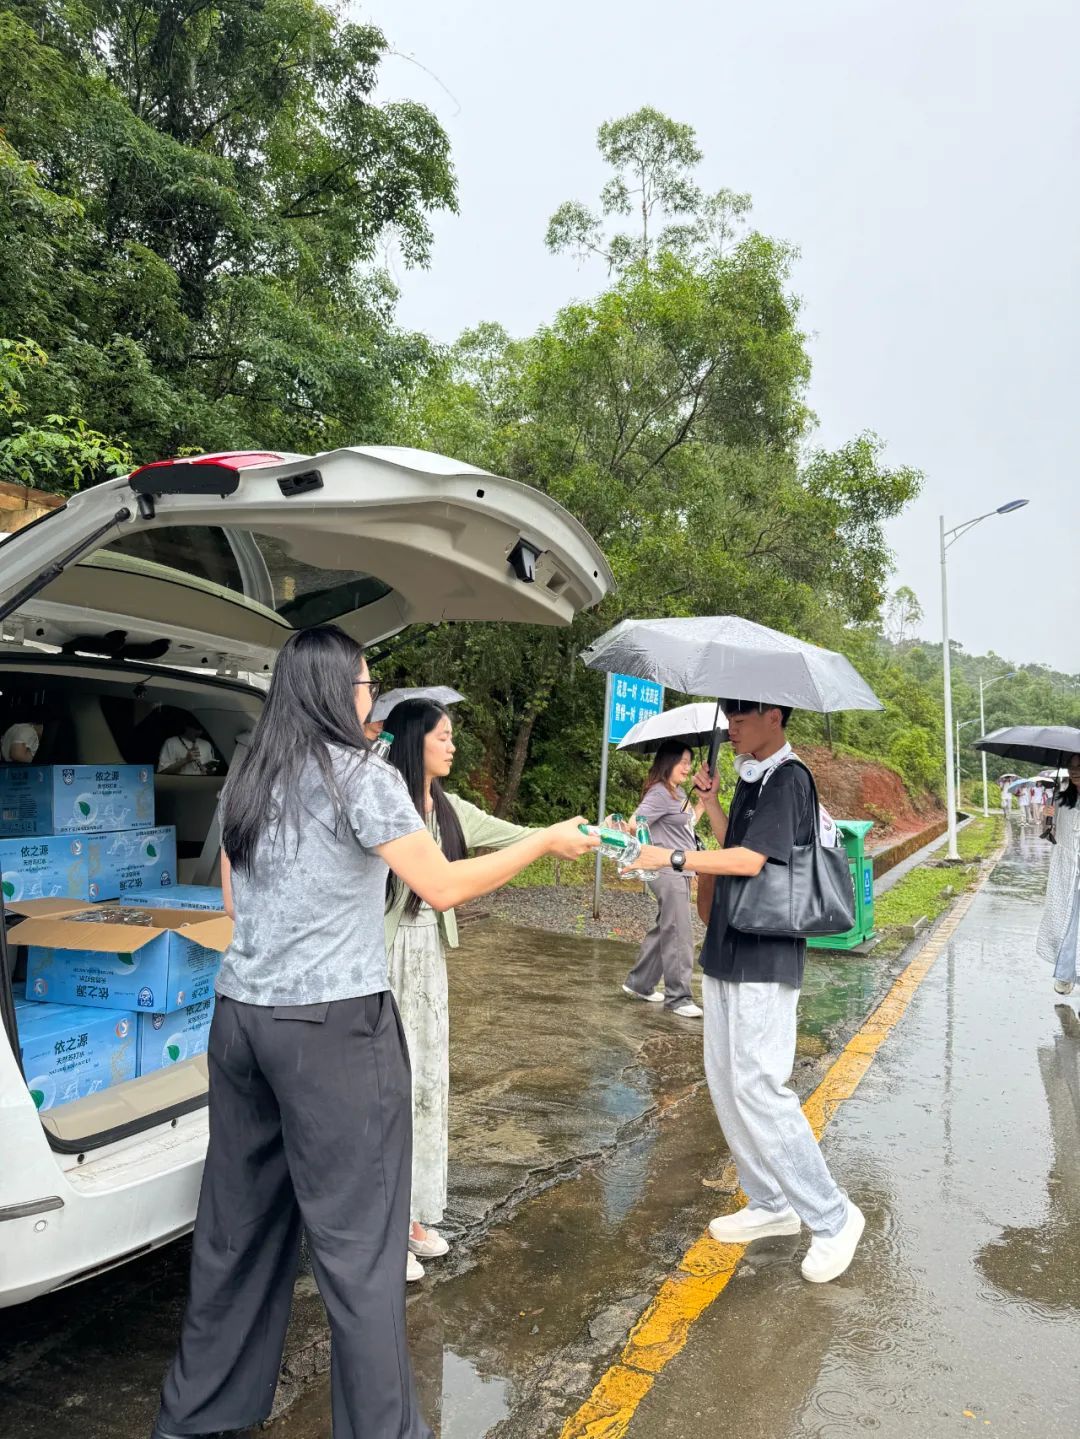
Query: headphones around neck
x,y
750,770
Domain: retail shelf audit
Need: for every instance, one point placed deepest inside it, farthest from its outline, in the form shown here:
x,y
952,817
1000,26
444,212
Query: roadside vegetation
x,y
196,208
931,887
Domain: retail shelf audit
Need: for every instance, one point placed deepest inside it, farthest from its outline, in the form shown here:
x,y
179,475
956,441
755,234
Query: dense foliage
x,y
191,194
194,200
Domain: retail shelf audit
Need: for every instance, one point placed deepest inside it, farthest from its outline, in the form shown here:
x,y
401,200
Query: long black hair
x,y
311,704
1068,796
410,723
667,757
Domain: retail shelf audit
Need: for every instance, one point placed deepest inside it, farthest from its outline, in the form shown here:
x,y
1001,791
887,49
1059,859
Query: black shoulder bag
x,y
813,894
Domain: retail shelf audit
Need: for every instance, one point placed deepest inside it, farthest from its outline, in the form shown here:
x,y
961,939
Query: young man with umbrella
x,y
751,994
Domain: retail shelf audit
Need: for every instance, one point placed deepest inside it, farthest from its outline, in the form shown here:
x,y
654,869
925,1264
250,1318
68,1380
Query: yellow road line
x,y
706,1267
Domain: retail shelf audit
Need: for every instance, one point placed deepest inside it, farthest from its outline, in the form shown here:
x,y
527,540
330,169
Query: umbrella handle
x,y
714,745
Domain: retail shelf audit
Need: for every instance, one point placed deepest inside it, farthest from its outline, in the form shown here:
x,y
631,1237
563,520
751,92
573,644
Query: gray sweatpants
x,y
668,948
749,1056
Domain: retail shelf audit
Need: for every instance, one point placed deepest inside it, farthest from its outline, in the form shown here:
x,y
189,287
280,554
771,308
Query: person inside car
x,y
189,752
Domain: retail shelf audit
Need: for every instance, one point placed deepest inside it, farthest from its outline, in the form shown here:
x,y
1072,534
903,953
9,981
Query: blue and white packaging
x,y
126,860
49,866
69,1052
179,896
166,1039
44,799
150,960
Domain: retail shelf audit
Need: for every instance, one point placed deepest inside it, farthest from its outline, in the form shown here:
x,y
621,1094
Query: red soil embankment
x,y
859,789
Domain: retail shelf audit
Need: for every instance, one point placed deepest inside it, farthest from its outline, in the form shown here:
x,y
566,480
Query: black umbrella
x,y
1039,744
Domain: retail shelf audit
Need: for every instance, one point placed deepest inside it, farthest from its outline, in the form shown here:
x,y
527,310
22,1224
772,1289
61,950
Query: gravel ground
x,y
625,914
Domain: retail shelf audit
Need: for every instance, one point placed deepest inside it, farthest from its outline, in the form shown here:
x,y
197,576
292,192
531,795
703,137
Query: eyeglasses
x,y
374,687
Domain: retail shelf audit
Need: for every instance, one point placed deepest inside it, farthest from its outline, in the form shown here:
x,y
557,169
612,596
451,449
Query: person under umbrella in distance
x,y
1059,933
668,948
751,994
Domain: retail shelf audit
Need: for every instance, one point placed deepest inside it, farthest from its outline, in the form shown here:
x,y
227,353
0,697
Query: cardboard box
x,y
46,866
179,896
166,1039
158,961
130,859
44,799
69,1052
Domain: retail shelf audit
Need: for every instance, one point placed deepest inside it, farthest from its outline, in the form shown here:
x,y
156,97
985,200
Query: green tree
x,y
194,198
668,415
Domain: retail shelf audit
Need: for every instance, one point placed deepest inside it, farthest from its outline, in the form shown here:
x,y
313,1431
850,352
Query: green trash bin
x,y
853,832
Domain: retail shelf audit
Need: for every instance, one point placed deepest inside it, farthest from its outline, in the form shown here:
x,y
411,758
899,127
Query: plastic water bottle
x,y
381,747
614,843
644,837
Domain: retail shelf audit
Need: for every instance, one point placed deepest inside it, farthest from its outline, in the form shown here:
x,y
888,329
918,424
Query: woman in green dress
x,y
416,942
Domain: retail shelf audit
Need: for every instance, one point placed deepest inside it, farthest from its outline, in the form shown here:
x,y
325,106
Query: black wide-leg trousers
x,y
310,1128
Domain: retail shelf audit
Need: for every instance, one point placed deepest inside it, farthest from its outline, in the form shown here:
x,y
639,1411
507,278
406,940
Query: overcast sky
x,y
921,155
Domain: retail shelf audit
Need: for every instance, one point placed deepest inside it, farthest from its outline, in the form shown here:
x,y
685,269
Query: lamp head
x,y
1012,505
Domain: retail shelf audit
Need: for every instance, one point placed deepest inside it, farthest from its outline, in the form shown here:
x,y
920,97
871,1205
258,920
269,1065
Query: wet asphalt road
x,y
586,1159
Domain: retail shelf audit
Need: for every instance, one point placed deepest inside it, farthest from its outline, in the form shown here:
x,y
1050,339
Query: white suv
x,y
169,592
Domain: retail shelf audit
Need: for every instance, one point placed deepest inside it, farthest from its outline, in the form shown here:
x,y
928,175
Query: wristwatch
x,y
678,860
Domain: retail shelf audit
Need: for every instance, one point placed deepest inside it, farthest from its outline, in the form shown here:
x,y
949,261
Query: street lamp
x,y
982,727
960,724
949,538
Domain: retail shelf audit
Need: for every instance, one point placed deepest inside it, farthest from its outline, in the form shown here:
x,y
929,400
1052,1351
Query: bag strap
x,y
815,803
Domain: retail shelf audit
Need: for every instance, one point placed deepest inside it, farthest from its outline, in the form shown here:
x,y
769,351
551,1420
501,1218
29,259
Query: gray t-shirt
x,y
309,912
670,825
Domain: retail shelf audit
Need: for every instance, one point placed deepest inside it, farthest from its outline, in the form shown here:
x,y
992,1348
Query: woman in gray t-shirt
x,y
310,1102
668,948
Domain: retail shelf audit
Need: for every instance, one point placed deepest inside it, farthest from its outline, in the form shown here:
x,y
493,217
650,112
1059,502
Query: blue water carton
x,y
152,960
179,896
125,861
69,1052
48,866
166,1039
44,799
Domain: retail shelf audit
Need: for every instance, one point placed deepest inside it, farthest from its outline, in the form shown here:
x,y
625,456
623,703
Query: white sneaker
x,y
414,1270
1064,986
657,996
748,1224
688,1010
433,1246
828,1258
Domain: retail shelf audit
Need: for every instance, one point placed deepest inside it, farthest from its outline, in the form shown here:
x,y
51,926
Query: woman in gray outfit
x,y
668,948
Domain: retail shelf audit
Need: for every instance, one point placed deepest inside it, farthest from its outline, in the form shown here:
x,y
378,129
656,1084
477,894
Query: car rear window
x,y
256,566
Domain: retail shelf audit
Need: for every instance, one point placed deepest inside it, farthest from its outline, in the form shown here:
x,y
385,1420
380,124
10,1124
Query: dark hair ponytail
x,y
311,704
410,722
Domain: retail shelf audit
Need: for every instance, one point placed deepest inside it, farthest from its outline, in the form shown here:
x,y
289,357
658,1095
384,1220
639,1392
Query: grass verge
x,y
930,888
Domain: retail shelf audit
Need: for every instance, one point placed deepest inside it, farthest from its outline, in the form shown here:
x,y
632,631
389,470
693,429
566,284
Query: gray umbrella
x,y
1040,744
441,694
692,725
732,658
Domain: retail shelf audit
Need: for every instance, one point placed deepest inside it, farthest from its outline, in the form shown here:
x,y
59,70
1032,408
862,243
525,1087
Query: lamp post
x,y
982,728
948,539
960,724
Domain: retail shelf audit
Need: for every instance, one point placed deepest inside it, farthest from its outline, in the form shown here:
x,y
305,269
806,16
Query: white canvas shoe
x,y
414,1270
748,1224
688,1010
657,996
828,1258
1064,986
432,1246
